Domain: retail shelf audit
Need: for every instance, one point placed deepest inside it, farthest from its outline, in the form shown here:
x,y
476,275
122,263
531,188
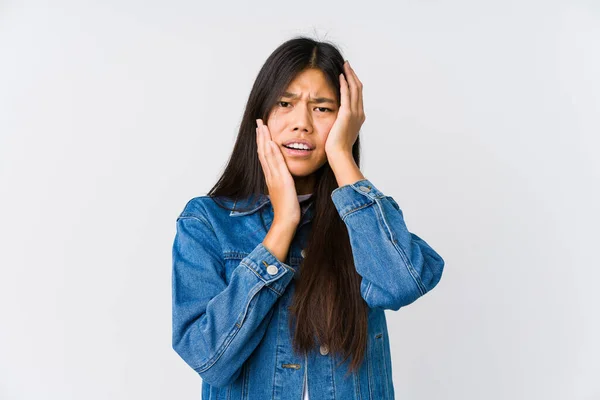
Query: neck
x,y
304,184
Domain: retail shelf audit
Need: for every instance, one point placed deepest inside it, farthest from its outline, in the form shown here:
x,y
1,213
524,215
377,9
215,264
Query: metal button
x,y
324,349
303,253
365,188
272,269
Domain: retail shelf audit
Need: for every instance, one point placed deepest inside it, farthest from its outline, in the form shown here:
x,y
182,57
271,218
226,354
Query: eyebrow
x,y
315,100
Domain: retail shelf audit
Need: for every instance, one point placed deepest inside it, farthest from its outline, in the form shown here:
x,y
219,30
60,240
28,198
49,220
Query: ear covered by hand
x,y
351,115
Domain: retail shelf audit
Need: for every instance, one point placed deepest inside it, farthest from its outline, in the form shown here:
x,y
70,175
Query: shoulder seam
x,y
198,218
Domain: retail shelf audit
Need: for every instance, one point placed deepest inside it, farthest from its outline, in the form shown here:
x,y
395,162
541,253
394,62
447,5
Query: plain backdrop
x,y
483,123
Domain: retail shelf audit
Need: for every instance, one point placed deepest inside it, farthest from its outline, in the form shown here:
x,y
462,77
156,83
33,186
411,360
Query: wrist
x,y
345,169
285,227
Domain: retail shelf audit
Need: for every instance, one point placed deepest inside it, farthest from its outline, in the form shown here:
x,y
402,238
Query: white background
x,y
483,122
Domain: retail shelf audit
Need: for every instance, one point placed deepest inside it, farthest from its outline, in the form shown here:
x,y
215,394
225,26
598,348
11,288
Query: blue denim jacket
x,y
231,297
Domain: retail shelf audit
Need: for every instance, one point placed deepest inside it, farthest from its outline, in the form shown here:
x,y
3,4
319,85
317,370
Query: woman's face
x,y
306,111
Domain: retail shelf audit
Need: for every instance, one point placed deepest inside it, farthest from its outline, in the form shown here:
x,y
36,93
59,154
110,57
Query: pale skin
x,y
332,130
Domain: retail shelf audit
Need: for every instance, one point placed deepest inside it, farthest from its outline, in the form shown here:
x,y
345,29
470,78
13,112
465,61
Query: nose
x,y
302,119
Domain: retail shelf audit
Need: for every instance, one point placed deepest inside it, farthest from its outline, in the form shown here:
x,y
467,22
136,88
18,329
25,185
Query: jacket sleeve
x,y
216,326
396,265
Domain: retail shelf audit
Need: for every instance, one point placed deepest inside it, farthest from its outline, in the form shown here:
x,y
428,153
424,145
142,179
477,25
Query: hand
x,y
350,117
280,182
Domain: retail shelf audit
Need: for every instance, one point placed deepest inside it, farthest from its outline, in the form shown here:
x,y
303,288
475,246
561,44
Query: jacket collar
x,y
251,206
247,206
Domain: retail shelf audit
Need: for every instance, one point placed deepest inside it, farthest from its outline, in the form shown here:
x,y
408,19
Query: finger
x,y
268,140
257,142
259,147
353,73
266,128
270,156
265,137
262,125
261,154
360,109
344,96
266,152
279,161
273,161
353,88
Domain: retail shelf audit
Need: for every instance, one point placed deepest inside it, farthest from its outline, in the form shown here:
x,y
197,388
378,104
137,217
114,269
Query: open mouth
x,y
294,148
294,151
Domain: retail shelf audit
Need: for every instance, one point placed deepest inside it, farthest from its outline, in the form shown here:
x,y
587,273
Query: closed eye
x,y
286,103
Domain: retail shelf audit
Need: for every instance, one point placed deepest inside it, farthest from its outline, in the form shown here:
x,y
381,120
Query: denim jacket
x,y
231,297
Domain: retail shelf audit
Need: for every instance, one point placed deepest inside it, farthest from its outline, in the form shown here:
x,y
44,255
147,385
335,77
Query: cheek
x,y
326,123
324,130
274,130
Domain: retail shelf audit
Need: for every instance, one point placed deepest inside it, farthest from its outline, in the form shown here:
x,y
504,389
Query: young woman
x,y
282,272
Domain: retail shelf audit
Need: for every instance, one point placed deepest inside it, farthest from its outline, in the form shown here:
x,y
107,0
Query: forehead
x,y
312,81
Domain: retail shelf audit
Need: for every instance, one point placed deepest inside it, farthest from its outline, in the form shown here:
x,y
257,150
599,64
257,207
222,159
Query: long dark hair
x,y
327,303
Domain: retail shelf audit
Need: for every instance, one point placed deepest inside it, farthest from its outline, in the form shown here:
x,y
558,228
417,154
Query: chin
x,y
299,173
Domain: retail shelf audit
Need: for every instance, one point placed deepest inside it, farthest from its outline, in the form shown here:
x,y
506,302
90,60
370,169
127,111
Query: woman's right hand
x,y
280,182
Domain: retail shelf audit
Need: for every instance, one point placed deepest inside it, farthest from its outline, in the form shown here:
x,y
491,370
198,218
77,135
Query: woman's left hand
x,y
350,117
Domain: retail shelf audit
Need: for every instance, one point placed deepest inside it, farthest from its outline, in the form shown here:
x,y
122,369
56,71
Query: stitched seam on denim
x,y
383,360
405,258
223,347
356,381
250,265
357,209
274,290
276,348
367,291
388,366
244,370
379,359
290,268
411,269
184,212
273,255
331,371
245,390
198,218
203,367
261,278
378,194
232,254
255,289
239,255
370,371
356,189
